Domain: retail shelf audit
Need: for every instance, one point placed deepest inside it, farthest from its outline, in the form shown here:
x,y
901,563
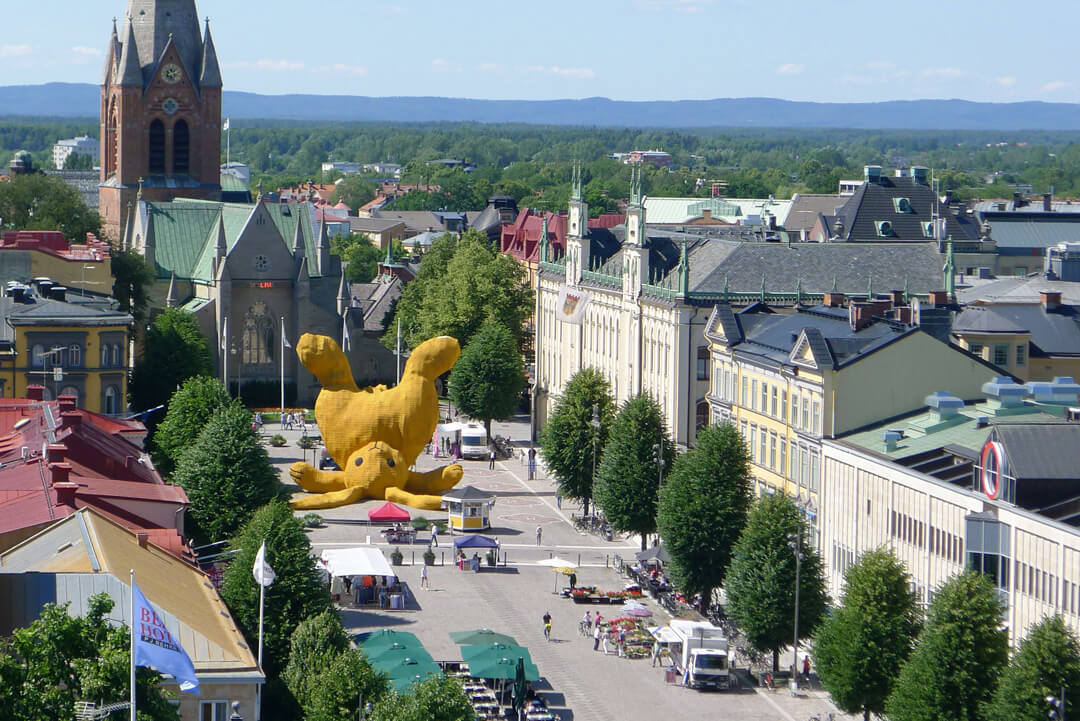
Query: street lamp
x,y
1057,706
795,541
658,456
236,712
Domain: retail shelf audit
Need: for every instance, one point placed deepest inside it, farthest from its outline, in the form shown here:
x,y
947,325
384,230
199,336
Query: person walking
x,y
547,625
491,460
558,501
596,635
434,535
423,577
539,533
655,653
806,669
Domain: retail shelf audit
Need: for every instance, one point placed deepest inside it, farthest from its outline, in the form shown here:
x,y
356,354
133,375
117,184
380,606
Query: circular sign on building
x,y
992,469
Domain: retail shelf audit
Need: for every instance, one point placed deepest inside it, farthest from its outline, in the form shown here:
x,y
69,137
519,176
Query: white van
x,y
474,442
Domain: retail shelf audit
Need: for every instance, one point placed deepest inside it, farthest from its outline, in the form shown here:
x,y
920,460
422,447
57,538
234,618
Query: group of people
x,y
289,420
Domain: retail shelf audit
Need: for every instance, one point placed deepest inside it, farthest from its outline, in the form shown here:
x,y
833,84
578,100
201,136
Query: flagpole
x,y
131,606
225,352
281,418
262,598
398,349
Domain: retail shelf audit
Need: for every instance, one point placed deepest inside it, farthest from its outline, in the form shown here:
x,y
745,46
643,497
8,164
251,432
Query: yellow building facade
x,y
68,347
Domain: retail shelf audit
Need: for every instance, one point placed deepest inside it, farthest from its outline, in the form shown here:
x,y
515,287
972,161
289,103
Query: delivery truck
x,y
699,651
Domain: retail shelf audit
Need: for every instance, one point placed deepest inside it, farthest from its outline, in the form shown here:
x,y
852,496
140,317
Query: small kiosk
x,y
468,509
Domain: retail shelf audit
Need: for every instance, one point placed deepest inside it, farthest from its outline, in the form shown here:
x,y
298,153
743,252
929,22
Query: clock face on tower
x,y
260,263
171,73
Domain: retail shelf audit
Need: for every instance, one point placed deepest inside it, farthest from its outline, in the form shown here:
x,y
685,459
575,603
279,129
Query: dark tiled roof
x,y
1056,332
1041,450
805,208
874,202
1040,233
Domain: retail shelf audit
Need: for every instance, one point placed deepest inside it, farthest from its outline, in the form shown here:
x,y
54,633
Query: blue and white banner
x,y
155,646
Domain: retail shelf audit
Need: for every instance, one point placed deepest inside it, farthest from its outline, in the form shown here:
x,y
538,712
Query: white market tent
x,y
359,561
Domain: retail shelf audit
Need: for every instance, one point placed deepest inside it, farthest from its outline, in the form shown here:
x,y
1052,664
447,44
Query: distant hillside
x,y
81,100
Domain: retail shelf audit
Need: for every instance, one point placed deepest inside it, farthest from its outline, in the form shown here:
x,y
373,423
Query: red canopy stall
x,y
388,513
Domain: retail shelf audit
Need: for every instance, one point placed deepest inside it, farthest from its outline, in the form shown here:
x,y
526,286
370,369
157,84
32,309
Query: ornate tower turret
x,y
578,247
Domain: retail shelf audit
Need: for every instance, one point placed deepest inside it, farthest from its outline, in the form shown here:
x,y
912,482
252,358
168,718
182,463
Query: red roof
x,y
388,512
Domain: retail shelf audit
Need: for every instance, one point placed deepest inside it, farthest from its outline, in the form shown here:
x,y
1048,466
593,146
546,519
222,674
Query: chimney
x,y
897,297
35,392
834,299
1051,299
939,298
67,403
18,293
65,493
54,452
1018,200
59,472
904,315
860,315
58,292
1048,200
70,419
143,538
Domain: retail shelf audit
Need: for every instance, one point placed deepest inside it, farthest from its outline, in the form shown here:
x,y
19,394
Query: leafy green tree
x,y
60,659
79,161
956,664
315,643
488,379
190,409
628,477
703,507
859,648
438,698
467,282
40,202
354,191
174,351
297,593
1047,661
761,580
360,253
569,444
227,475
347,680
132,279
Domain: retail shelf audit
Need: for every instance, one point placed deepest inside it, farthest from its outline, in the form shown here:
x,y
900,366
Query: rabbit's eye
x,y
359,461
390,462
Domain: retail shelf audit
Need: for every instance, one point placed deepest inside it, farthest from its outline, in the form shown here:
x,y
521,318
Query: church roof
x,y
210,76
155,22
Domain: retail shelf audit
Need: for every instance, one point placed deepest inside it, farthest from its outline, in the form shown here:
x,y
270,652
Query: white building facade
x,y
83,145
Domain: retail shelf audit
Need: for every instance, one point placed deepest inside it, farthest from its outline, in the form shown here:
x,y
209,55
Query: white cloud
x,y
1007,81
880,65
491,68
267,64
850,79
83,50
576,73
1054,85
900,74
342,68
13,51
789,69
440,65
944,73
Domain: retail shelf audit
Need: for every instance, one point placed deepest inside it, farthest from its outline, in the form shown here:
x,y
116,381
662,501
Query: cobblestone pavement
x,y
579,683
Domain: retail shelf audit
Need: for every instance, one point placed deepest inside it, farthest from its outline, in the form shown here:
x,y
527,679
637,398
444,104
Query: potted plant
x,y
396,558
277,440
429,557
311,520
492,558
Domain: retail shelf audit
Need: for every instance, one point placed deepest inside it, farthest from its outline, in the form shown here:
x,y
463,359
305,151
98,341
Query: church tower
x,y
160,110
577,238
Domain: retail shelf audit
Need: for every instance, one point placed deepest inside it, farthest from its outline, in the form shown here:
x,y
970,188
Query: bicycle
x,y
547,631
584,628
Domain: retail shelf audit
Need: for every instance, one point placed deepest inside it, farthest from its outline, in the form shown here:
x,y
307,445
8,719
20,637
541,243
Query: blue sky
x,y
828,50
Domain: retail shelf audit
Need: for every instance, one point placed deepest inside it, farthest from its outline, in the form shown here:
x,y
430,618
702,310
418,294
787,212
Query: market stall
x,y
364,576
474,542
468,508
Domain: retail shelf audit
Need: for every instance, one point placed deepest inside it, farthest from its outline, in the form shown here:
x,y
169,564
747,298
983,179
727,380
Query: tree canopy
x,y
354,191
961,653
39,202
347,679
132,279
569,444
858,649
487,381
362,256
628,477
297,593
174,350
190,409
703,507
437,698
60,659
761,580
313,646
227,475
1047,661
461,284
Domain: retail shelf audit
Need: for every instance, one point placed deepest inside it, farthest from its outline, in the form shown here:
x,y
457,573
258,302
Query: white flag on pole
x,y
225,125
264,575
284,338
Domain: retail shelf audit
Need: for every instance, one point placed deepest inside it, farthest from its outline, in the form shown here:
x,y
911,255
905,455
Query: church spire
x,y
949,271
544,246
298,238
112,55
575,182
171,300
684,271
210,77
130,72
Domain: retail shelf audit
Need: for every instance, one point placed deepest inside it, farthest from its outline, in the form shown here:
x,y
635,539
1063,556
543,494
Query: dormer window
x,y
884,228
928,229
903,205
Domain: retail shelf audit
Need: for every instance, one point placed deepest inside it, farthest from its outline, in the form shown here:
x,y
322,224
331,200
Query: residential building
x,y
245,271
716,211
382,231
86,554
160,111
1024,229
70,345
805,208
56,458
29,254
83,145
84,182
634,301
789,380
988,486
657,158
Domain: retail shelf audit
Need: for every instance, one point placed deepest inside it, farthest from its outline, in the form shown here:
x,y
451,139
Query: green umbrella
x,y
503,668
520,688
388,637
481,636
493,651
388,655
408,671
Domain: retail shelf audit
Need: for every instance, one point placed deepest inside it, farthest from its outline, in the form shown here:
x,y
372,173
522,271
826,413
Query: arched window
x,y
181,147
37,356
258,343
104,356
157,147
117,356
112,157
112,397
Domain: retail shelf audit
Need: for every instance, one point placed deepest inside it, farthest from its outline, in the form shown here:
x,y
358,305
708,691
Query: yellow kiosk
x,y
468,508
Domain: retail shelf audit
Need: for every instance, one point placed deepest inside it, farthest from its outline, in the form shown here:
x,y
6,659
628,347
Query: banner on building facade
x,y
572,304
